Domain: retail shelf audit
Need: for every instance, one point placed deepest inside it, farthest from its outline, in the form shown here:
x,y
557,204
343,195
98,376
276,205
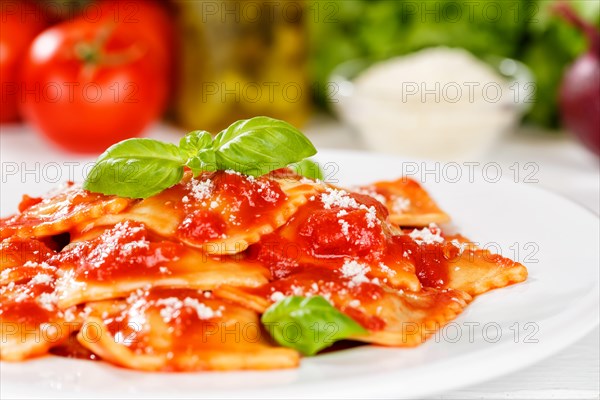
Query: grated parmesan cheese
x,y
345,227
400,205
387,270
5,273
172,306
340,198
202,310
354,303
277,296
342,213
428,235
41,279
356,272
371,216
48,301
337,198
200,190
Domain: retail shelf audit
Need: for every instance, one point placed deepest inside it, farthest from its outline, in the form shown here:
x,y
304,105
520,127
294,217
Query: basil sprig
x,y
308,324
140,168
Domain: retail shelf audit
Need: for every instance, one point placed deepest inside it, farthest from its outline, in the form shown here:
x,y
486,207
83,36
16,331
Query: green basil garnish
x,y
136,168
308,324
260,145
140,168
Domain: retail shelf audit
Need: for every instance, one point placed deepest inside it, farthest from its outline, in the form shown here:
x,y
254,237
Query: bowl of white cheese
x,y
438,103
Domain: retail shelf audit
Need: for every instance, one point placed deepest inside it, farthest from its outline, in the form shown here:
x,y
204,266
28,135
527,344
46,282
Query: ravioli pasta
x,y
179,281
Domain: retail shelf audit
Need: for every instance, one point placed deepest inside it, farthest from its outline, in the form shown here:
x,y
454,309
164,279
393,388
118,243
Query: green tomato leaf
x,y
259,145
308,324
308,168
136,168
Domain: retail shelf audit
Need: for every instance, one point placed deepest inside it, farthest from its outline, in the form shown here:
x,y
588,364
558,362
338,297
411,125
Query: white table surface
x,y
564,167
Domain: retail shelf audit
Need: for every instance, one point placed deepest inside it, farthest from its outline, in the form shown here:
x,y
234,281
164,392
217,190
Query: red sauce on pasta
x,y
121,252
219,204
430,260
26,305
201,226
16,251
27,201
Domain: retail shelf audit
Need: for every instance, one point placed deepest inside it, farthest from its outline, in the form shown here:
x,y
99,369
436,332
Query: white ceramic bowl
x,y
449,127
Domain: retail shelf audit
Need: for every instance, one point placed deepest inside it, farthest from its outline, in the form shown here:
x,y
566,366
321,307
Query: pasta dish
x,y
226,270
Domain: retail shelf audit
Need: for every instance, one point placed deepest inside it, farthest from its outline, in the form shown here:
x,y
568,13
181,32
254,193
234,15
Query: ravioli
x,y
22,259
30,321
477,271
408,203
177,281
336,226
222,212
126,257
454,262
181,330
60,213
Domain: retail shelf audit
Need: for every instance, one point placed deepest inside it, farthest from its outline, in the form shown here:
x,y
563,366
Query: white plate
x,y
500,332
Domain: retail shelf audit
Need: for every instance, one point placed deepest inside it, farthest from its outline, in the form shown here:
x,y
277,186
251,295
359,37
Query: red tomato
x,y
153,20
149,18
91,84
20,23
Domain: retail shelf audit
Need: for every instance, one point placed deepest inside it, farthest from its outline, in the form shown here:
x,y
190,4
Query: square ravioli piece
x,y
180,330
220,213
127,257
59,213
23,258
30,321
408,203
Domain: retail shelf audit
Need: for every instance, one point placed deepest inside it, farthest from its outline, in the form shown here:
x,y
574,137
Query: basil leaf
x,y
308,324
193,142
308,168
203,161
136,168
259,145
140,168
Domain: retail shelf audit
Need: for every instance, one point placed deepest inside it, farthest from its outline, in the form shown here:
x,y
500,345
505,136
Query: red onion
x,y
579,96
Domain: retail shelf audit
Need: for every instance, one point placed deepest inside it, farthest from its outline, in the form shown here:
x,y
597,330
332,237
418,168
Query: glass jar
x,y
242,59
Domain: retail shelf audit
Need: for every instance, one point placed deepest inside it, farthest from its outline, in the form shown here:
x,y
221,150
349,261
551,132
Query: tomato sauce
x,y
324,237
28,201
430,259
121,252
220,204
16,251
202,226
20,304
181,322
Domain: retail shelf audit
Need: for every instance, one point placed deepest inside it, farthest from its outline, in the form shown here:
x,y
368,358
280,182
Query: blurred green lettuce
x,y
343,30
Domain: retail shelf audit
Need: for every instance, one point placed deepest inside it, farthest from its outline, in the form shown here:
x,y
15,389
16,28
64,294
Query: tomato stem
x,y
92,53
